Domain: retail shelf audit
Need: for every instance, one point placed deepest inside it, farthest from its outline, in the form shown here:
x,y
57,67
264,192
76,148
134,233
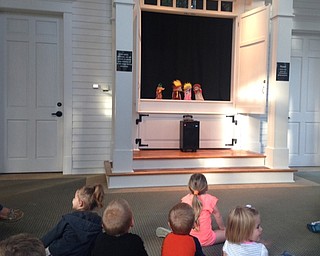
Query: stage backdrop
x,y
189,48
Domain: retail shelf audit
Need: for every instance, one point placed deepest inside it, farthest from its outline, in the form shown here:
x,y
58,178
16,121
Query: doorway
x,y
304,106
32,94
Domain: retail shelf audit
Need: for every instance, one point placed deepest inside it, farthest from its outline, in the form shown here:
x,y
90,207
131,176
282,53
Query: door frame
x,y
65,11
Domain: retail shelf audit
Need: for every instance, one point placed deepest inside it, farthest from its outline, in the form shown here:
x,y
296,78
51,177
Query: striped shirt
x,y
245,249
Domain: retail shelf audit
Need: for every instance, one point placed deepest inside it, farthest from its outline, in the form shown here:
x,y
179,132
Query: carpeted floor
x,y
284,214
312,176
285,210
43,202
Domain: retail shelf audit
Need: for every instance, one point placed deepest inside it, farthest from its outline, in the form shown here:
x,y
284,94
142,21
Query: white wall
x,y
306,19
87,112
307,15
92,63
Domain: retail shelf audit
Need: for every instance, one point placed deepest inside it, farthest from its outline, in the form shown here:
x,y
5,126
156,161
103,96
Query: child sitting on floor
x,y
116,239
205,206
243,233
179,242
77,231
22,245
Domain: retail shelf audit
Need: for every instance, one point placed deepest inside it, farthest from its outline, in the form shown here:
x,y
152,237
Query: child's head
x,y
181,219
88,198
22,245
117,217
198,185
243,224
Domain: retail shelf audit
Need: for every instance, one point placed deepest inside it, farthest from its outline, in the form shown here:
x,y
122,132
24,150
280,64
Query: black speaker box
x,y
189,135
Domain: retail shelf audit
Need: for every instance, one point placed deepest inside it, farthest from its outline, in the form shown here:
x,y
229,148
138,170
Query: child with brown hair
x,y
77,231
204,206
179,242
243,233
22,245
116,239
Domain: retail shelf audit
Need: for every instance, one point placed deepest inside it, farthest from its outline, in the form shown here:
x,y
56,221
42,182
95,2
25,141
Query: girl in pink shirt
x,y
204,206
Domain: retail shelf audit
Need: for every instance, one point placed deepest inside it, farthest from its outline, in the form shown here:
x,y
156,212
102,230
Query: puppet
x,y
176,89
197,92
187,91
159,91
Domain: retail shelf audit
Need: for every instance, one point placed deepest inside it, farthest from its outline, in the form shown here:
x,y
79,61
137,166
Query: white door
x,y
250,95
32,93
304,107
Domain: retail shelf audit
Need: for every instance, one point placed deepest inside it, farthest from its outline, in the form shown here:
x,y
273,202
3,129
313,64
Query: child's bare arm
x,y
218,218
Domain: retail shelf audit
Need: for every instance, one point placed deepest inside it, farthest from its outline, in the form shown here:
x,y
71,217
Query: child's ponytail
x,y
197,207
98,195
92,196
197,185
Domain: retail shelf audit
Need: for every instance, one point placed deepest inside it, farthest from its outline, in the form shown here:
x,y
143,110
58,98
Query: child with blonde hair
x,y
243,233
204,206
116,239
179,242
77,231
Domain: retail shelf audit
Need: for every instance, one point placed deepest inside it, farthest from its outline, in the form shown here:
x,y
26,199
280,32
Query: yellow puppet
x,y
176,89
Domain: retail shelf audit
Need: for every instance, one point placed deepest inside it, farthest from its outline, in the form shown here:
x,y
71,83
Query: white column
x,y
122,151
277,152
67,81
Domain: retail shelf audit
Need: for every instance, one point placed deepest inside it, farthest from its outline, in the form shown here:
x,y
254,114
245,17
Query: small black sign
x,y
124,61
283,69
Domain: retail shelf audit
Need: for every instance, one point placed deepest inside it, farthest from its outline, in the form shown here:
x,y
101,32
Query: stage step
x,y
180,176
260,169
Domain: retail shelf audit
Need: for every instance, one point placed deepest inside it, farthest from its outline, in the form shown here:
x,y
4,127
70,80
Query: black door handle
x,y
58,114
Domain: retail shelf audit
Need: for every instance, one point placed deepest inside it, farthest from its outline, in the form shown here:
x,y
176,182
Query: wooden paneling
x,y
92,63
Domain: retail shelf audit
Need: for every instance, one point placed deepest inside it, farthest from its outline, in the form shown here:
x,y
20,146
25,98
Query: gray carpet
x,y
312,176
43,202
284,214
285,211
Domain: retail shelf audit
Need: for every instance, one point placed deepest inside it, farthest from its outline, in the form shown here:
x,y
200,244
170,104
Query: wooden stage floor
x,y
145,154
